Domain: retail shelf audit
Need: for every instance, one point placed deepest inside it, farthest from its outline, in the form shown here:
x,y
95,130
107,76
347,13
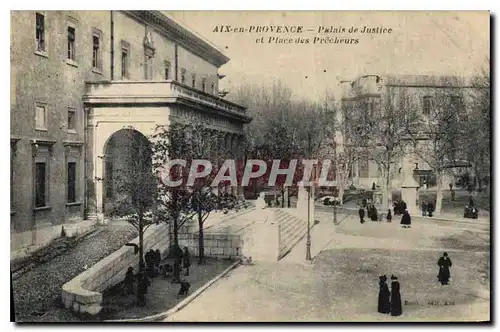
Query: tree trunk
x,y
176,230
386,188
201,242
439,193
141,244
282,197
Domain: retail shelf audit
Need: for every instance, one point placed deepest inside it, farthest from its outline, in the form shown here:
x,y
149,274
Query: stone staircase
x,y
291,230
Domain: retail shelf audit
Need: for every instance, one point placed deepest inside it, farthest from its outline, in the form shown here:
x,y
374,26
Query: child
x,y
184,288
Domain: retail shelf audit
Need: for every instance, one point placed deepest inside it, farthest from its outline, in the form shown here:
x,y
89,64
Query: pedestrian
x,y
150,259
384,305
142,288
185,285
389,216
128,282
361,213
406,219
424,208
186,260
373,213
157,261
444,264
396,307
430,209
373,186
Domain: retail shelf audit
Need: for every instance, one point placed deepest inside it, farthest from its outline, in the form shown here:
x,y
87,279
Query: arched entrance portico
x,y
127,159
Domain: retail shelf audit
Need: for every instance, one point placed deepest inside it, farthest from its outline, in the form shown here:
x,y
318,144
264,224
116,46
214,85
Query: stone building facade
x,y
81,83
366,93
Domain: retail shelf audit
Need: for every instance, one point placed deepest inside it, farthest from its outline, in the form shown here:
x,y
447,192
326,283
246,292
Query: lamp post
x,y
308,240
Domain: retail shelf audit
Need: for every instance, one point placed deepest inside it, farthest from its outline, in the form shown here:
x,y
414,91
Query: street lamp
x,y
308,240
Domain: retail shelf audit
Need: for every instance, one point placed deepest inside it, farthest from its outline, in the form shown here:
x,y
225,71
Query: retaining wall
x,y
83,293
216,245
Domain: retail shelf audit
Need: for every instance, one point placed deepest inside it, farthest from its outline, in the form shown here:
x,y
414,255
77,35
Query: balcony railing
x,y
125,92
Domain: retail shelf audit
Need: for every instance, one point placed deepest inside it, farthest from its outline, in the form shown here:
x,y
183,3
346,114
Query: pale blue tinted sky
x,y
455,43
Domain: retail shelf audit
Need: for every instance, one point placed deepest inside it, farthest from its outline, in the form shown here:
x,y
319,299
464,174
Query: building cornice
x,y
180,35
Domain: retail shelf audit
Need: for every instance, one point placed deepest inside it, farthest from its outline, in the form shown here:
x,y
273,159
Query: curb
x,y
180,305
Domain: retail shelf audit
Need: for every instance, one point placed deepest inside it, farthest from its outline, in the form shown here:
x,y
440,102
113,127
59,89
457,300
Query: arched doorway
x,y
127,161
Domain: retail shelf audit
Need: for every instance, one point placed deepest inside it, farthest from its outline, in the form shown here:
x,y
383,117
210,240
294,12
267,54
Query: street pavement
x,y
340,284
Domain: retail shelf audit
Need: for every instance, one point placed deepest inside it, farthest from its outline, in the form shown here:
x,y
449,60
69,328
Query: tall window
x,y
40,32
148,68
71,43
40,184
125,61
183,75
71,182
193,81
40,117
96,51
427,105
167,70
203,84
71,119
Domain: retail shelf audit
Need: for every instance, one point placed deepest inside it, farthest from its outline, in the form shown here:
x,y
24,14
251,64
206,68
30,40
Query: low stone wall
x,y
83,293
216,245
25,243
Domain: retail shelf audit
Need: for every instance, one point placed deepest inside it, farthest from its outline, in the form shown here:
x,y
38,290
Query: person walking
x,y
444,264
389,216
396,307
361,213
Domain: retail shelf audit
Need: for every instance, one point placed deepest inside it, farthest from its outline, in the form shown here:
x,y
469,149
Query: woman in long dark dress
x,y
444,264
396,308
406,219
384,305
361,213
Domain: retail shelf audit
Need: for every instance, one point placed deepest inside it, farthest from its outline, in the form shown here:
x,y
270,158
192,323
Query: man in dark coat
x,y
361,213
424,208
373,213
406,220
430,209
128,283
444,264
389,216
142,288
384,305
396,307
150,259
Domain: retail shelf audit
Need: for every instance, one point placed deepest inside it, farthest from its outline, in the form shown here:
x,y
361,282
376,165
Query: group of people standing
x,y
153,268
389,301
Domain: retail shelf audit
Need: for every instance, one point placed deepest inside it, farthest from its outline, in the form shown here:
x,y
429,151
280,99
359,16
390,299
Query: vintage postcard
x,y
250,166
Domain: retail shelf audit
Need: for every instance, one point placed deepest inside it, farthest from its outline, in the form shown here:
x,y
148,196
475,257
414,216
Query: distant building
x,y
82,84
364,95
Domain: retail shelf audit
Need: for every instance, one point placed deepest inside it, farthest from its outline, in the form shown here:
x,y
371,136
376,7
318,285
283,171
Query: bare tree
x,y
438,138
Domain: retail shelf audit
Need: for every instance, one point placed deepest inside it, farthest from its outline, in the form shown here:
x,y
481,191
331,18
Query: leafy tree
x,y
135,187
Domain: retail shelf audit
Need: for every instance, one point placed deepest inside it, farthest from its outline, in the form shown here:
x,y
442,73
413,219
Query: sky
x,y
449,43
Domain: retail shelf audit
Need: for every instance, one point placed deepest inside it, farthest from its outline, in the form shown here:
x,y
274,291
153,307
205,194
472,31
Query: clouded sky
x,y
453,43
